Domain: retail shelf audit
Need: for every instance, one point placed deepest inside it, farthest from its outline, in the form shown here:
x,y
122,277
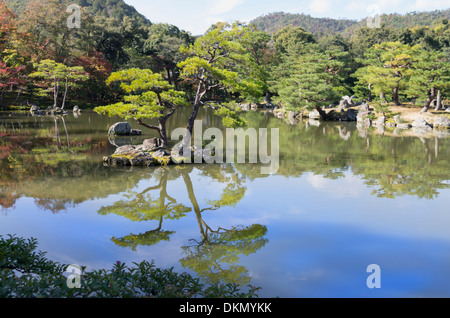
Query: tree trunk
x,y
268,98
55,93
322,113
438,101
396,98
162,132
65,94
193,116
429,101
382,97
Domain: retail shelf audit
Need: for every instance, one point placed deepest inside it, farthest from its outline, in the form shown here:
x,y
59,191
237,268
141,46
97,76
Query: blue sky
x,y
197,15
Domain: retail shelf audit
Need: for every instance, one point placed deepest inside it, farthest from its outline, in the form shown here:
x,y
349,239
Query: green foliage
x,y
310,79
387,67
53,75
27,273
148,95
273,22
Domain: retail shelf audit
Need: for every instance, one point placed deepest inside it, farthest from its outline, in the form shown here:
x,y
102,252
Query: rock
x,y
245,107
314,114
135,132
363,112
34,109
390,124
119,161
76,109
350,115
442,133
161,153
120,129
420,123
442,123
447,109
279,114
151,144
367,122
292,118
335,116
403,126
362,131
422,130
381,121
345,102
381,128
364,108
362,116
292,114
125,150
397,119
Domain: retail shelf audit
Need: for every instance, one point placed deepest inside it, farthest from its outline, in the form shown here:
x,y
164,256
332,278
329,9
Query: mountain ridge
x,y
108,8
275,21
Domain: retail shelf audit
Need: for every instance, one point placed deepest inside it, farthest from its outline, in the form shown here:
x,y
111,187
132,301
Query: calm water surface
x,y
342,199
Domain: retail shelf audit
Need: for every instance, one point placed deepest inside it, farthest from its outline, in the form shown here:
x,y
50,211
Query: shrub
x,y
27,273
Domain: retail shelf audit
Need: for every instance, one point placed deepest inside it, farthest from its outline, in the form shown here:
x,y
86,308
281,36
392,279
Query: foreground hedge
x,y
27,273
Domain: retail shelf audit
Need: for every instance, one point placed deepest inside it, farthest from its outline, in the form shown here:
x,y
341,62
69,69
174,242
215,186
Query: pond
x,y
341,200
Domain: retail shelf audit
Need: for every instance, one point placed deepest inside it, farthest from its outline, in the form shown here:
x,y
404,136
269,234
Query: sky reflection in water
x,y
310,231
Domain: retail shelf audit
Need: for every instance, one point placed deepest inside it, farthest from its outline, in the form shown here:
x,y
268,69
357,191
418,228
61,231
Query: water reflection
x,y
237,212
44,157
215,255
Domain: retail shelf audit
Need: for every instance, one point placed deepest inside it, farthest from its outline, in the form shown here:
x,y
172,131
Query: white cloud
x,y
213,20
223,6
320,6
427,5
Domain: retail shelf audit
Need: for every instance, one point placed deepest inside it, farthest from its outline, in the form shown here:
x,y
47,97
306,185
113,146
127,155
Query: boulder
x,y
442,133
279,114
442,123
397,119
346,102
363,112
422,130
390,124
350,115
135,132
403,126
314,114
245,107
34,109
120,129
420,123
364,108
381,121
292,118
76,109
125,150
151,144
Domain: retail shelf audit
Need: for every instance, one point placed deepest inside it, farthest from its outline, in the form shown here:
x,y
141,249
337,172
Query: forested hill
x,y
408,20
108,8
274,22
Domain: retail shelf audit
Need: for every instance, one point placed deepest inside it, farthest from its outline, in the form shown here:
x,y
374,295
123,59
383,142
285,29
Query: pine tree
x,y
149,96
